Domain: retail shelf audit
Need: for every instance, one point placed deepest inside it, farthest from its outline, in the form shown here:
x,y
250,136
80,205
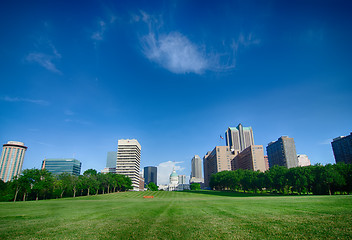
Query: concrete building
x,y
11,160
282,152
216,161
303,160
150,175
141,182
252,158
342,148
128,160
62,165
182,179
196,173
109,170
239,138
111,159
173,184
266,160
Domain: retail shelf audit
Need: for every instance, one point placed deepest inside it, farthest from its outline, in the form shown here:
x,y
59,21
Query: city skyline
x,y
174,75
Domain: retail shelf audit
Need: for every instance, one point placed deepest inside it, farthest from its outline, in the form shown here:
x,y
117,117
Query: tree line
x,y
317,179
34,184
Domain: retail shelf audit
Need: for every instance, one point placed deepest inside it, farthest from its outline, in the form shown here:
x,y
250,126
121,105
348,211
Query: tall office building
x,y
128,160
282,152
196,173
303,160
62,165
150,175
111,159
216,161
11,160
252,158
266,160
342,148
181,179
239,138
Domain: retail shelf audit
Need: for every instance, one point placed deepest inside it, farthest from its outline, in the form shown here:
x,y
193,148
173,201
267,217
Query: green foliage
x,y
152,187
318,179
195,186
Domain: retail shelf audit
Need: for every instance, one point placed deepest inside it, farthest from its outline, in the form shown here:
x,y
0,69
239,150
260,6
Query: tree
x,y
152,187
195,186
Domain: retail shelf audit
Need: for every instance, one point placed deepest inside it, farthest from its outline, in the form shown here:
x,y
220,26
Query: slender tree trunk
x,y
74,192
108,188
24,196
36,197
88,192
329,190
114,189
62,193
17,189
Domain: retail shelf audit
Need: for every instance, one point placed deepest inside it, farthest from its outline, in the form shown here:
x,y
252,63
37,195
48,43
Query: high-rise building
x,y
111,159
196,173
266,160
150,175
342,148
282,152
181,179
303,160
128,160
216,161
252,158
239,138
11,160
62,165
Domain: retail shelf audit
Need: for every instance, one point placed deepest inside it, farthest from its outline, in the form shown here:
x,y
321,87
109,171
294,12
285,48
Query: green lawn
x,y
179,215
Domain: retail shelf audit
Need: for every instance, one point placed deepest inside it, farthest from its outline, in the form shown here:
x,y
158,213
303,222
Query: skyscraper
x,y
342,148
216,161
196,173
128,160
303,160
239,138
252,158
282,152
150,175
111,159
62,165
11,160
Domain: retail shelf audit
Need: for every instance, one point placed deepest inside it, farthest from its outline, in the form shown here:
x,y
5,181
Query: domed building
x,y
173,181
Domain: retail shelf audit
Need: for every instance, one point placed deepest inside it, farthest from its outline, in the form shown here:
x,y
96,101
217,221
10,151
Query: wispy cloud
x,y
177,53
165,169
28,100
102,26
326,142
44,59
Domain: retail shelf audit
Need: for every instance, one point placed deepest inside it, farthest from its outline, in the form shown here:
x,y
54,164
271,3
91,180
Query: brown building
x,y
252,158
216,161
266,161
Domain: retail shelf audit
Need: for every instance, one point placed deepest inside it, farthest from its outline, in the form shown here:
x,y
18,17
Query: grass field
x,y
179,215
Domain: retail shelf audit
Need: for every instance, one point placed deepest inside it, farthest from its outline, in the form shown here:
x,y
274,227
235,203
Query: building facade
x,y
150,175
196,172
252,158
216,161
111,159
266,160
62,165
12,157
239,138
303,160
128,160
282,152
342,148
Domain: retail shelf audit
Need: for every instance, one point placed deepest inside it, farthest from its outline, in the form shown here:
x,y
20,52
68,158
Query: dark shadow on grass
x,y
233,194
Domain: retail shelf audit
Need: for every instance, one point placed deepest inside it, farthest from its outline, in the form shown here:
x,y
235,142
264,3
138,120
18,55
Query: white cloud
x,y
174,52
165,169
245,41
16,99
44,60
99,34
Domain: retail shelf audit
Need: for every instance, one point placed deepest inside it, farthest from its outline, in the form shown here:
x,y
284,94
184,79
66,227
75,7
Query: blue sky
x,y
78,76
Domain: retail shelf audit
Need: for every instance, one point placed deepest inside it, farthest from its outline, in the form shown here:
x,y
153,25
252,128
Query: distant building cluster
x,y
240,152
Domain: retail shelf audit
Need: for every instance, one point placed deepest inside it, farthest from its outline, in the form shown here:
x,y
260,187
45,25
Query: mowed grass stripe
x,y
175,215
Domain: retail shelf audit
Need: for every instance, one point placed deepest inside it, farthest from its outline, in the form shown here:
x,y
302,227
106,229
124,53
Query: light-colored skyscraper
x,y
196,174
62,165
11,160
303,160
342,148
216,161
282,152
239,138
181,179
252,158
128,160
